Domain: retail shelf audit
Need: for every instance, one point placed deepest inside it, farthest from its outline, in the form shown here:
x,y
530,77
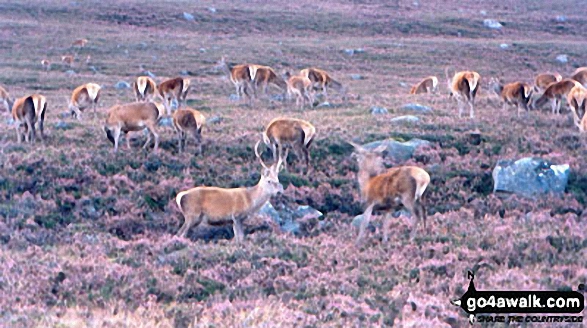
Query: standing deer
x,y
221,206
300,87
132,117
282,133
577,99
321,79
240,76
188,121
26,111
82,97
385,189
5,98
516,93
464,87
145,88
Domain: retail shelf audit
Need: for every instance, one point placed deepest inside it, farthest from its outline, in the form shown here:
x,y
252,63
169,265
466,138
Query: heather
x,y
87,236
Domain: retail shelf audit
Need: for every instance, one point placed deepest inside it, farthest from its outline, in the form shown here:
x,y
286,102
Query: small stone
x,y
562,58
561,18
214,120
325,104
405,119
492,24
122,85
416,108
212,9
357,77
165,121
188,16
149,74
70,72
504,46
233,97
375,110
349,52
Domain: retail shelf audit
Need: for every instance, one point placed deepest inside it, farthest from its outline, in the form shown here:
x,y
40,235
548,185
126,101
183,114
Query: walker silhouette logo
x,y
476,302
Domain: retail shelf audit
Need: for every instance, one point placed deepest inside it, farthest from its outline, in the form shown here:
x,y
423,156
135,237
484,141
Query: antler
x,y
358,147
259,156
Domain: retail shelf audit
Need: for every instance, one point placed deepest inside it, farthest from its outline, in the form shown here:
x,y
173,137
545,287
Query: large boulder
x,y
399,151
297,221
530,176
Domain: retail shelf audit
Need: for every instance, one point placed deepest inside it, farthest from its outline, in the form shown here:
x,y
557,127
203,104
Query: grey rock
x,y
9,121
349,52
214,120
561,18
325,104
405,119
530,176
403,84
188,16
212,9
399,151
504,46
277,97
203,50
357,77
492,24
375,110
93,69
70,72
416,108
233,97
63,125
483,12
149,74
562,58
122,85
296,221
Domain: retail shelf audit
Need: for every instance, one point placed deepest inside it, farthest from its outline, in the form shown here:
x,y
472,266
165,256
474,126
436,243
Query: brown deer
x,y
221,206
542,81
190,121
517,94
145,89
132,117
300,87
322,80
26,111
464,87
5,98
554,94
82,97
385,189
282,133
239,75
427,85
577,99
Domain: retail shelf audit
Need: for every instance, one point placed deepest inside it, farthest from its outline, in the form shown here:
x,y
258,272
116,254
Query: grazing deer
x,y
427,85
283,132
132,117
554,94
188,121
301,87
79,43
321,79
82,97
464,87
145,88
5,98
187,86
171,90
577,99
221,206
239,75
580,75
68,59
26,112
46,65
516,93
542,81
385,189
263,76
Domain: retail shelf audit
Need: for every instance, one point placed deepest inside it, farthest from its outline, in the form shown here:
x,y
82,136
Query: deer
x,y
463,87
190,121
67,59
301,87
79,43
542,81
26,111
46,65
282,133
385,189
216,206
322,80
577,99
145,88
427,85
263,76
554,94
239,75
130,117
5,98
171,90
82,97
515,93
580,75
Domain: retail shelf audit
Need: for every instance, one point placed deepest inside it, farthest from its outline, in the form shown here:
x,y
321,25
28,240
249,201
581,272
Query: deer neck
x,y
365,175
258,196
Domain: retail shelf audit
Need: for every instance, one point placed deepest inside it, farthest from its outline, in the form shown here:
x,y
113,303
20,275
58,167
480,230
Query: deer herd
x,y
381,189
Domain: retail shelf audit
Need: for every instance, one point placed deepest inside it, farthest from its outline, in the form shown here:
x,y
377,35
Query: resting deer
x,y
188,121
132,117
282,133
26,111
385,189
300,87
321,79
82,97
516,93
5,98
464,87
427,85
145,88
542,81
577,99
221,206
239,75
554,94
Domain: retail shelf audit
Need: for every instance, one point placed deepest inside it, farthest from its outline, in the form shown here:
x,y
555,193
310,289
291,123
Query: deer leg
x,y
18,133
386,224
189,221
127,138
148,140
116,137
31,125
239,235
472,109
364,224
156,136
198,139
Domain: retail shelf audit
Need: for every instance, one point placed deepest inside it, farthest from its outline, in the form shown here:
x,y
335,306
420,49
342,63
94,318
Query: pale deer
x,y
542,81
171,90
577,99
82,97
427,85
5,99
322,80
188,121
300,87
26,111
282,133
221,206
145,89
239,75
132,117
385,189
